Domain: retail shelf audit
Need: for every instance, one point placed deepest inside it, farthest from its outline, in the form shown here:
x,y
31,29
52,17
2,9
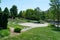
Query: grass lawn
x,y
4,33
43,33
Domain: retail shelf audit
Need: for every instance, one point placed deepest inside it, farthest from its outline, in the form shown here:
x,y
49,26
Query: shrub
x,y
51,25
8,28
3,19
28,21
18,30
4,33
0,28
41,21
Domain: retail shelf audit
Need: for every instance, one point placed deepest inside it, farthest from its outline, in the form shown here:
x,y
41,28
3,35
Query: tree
x,y
4,18
23,14
51,15
0,17
14,11
37,13
6,11
0,9
29,14
55,5
33,14
0,1
42,15
20,14
46,14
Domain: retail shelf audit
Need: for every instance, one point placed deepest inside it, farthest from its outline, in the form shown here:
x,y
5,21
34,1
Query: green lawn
x,y
4,33
43,33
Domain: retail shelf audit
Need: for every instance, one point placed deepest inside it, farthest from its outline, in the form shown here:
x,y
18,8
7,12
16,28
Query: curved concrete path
x,y
32,25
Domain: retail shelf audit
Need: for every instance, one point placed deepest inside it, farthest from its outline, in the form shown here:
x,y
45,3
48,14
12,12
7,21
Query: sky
x,y
25,4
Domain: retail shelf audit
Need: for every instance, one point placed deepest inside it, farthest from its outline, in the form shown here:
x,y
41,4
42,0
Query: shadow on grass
x,y
56,29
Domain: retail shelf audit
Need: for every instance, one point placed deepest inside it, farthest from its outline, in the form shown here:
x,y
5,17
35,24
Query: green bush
x,y
8,28
4,33
28,21
18,30
51,25
41,21
4,19
0,28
